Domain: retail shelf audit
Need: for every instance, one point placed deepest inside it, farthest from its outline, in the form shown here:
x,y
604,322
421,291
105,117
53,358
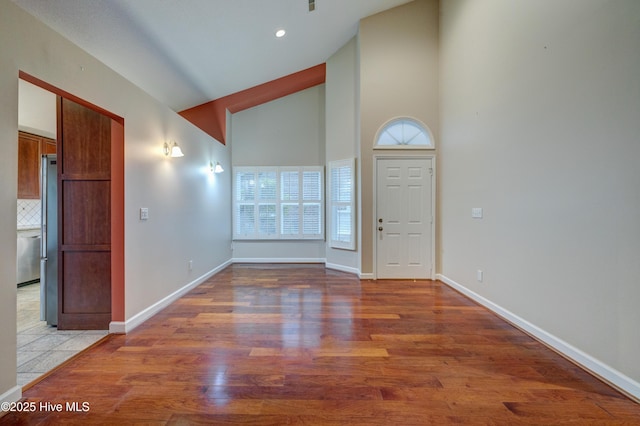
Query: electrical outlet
x,y
190,264
479,275
476,212
144,213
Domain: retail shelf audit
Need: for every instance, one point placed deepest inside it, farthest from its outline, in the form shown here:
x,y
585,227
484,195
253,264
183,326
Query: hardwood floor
x,y
299,344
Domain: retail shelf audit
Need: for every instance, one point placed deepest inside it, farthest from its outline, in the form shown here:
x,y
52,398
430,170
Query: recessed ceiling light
x,y
280,33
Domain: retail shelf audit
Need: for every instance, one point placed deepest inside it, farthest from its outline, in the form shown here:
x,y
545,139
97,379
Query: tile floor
x,y
42,347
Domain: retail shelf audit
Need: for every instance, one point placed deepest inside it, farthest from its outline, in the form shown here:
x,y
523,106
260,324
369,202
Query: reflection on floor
x,y
41,347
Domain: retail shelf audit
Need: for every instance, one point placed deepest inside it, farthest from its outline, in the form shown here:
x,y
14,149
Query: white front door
x,y
404,217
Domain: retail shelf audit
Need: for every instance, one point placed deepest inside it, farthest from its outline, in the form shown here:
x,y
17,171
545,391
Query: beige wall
x,y
398,77
288,131
342,134
190,214
540,120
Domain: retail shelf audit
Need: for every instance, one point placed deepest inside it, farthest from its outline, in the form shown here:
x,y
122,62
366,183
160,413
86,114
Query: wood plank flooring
x,y
299,344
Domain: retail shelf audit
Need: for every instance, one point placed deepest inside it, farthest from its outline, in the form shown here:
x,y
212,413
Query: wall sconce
x,y
172,150
217,168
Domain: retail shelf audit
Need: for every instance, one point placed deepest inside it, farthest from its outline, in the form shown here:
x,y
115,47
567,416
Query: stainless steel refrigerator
x,y
49,241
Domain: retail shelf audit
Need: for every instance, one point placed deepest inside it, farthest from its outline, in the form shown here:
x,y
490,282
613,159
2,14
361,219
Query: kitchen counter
x,y
28,228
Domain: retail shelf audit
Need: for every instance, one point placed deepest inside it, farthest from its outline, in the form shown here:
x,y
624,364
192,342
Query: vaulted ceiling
x,y
189,52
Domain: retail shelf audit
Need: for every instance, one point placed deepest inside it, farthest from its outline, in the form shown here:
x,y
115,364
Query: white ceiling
x,y
187,52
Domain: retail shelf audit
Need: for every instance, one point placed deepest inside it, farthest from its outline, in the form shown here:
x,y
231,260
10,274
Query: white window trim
x,y
278,203
335,242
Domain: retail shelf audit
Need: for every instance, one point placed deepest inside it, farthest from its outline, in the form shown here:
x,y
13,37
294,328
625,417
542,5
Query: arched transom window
x,y
404,133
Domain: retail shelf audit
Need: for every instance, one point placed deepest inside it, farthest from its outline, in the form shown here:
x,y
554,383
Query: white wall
x,y
190,214
342,133
288,131
540,122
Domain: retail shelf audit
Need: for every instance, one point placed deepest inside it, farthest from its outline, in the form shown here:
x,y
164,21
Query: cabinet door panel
x,y
28,166
48,146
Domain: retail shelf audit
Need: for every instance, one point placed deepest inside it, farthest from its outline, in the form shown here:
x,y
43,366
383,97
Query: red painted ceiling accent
x,y
211,116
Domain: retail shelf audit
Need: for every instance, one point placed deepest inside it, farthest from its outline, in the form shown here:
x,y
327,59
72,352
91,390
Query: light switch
x,y
144,213
476,212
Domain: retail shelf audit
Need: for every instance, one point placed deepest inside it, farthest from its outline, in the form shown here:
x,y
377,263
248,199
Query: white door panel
x,y
403,222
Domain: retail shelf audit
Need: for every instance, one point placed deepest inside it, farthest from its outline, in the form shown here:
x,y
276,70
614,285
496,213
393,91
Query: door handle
x,y
379,228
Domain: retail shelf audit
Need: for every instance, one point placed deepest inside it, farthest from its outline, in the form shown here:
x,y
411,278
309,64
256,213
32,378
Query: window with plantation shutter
x,y
244,209
312,207
289,186
267,202
267,223
342,204
278,203
290,219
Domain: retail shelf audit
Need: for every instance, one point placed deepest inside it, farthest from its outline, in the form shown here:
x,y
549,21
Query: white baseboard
x,y
118,327
278,260
598,368
342,268
12,395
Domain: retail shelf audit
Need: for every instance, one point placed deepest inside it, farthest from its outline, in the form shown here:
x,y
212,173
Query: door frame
x,y
374,210
117,195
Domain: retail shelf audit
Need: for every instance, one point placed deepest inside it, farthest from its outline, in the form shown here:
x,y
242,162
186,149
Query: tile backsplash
x,y
28,214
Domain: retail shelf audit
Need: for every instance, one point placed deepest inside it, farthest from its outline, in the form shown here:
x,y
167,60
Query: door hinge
x,y
431,171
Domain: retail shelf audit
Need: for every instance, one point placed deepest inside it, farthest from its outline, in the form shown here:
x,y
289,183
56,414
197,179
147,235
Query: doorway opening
x,y
41,346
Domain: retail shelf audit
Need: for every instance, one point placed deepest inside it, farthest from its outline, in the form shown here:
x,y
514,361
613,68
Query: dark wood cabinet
x,y
28,166
48,146
30,148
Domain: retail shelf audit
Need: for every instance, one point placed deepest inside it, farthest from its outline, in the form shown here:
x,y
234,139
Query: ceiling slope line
x,y
211,117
